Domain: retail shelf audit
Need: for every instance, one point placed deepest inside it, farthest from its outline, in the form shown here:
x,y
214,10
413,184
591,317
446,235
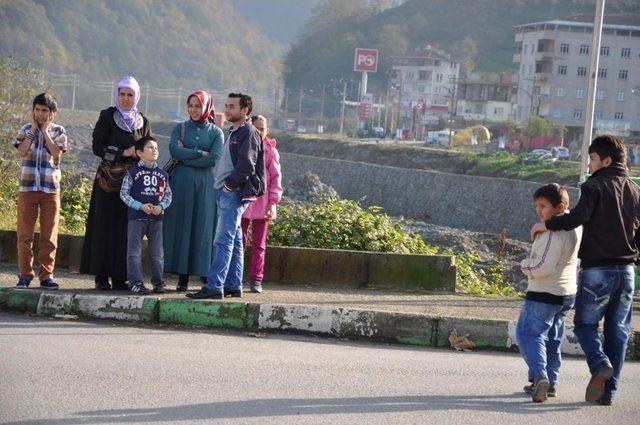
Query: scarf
x,y
208,110
129,116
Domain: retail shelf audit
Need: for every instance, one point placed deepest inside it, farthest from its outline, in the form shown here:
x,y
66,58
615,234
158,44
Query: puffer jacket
x,y
273,183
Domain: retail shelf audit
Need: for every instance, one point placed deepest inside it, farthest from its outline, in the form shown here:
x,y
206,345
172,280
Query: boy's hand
x,y
157,210
146,208
129,152
536,229
47,123
34,123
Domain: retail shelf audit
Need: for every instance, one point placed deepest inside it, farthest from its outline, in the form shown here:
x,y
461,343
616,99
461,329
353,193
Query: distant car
x,y
302,130
378,132
548,157
561,152
540,152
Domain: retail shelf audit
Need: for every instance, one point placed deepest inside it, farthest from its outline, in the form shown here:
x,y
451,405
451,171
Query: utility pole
x,y
344,99
300,105
591,91
286,103
322,105
73,95
113,84
276,114
179,101
146,101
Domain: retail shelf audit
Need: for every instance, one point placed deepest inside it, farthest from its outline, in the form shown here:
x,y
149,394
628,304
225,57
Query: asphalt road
x,y
70,372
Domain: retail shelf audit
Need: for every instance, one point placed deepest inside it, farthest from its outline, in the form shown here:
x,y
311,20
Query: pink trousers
x,y
258,246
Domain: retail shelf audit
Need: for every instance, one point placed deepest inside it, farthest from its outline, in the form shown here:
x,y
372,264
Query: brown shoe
x,y
595,389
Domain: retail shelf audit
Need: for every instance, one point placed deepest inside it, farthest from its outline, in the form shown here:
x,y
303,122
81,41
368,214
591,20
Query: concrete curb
x,y
400,328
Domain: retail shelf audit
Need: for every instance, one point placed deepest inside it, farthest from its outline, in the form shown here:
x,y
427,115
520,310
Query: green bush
x,y
342,224
74,199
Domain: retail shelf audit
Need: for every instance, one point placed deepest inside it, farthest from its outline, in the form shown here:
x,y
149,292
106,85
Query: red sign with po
x,y
366,60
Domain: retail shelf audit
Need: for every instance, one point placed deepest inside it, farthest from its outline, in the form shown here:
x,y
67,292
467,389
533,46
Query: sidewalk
x,y
402,317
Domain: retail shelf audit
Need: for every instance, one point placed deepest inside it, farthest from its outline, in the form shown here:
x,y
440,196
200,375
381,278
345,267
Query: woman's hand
x,y
205,153
271,211
129,152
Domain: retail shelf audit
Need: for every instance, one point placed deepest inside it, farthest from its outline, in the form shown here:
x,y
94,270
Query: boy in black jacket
x,y
609,211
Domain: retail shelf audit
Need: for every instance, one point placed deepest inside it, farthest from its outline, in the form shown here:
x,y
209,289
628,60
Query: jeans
x,y
607,292
539,332
259,230
136,230
225,272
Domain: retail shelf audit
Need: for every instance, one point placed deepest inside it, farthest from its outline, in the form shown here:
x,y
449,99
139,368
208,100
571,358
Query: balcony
x,y
517,58
541,56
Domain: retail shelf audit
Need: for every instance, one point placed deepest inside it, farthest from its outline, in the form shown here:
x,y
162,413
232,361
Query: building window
x,y
584,49
526,47
618,116
530,69
536,90
421,88
582,71
604,50
410,75
623,74
598,115
577,114
562,69
564,48
602,72
601,95
438,77
498,111
580,93
560,91
452,65
620,96
422,75
625,52
558,113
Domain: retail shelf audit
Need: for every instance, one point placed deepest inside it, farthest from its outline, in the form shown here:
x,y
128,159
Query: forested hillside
x,y
478,31
164,43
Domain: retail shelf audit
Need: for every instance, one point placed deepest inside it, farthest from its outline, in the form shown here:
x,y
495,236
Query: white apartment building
x,y
486,98
553,58
424,83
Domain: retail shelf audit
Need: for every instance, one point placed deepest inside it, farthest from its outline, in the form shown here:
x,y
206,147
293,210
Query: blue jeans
x,y
607,292
539,332
225,272
136,230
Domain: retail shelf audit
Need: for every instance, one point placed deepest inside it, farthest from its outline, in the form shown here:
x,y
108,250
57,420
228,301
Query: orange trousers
x,y
48,206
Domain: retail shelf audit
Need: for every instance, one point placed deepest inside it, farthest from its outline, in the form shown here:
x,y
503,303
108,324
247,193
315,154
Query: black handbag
x,y
110,176
170,165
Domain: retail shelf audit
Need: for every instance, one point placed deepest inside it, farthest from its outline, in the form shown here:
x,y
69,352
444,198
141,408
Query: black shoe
x,y
605,400
139,289
183,283
102,283
119,285
204,279
159,289
540,387
600,376
204,294
551,392
233,294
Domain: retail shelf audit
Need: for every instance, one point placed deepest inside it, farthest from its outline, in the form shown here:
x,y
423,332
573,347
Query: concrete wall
x,y
302,266
483,204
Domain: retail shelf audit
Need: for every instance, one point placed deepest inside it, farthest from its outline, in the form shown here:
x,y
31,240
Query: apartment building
x,y
553,58
486,98
423,85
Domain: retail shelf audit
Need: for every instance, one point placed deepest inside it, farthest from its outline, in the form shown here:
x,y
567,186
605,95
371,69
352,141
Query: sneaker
x,y
551,392
600,376
159,289
23,282
256,287
139,289
539,390
205,294
49,284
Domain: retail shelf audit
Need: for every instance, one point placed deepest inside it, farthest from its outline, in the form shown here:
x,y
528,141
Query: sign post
x,y
365,61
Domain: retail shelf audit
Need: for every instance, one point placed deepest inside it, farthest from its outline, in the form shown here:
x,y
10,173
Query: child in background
x,y
263,209
552,271
145,190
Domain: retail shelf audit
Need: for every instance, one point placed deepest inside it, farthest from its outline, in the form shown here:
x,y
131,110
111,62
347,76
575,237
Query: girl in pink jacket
x,y
262,209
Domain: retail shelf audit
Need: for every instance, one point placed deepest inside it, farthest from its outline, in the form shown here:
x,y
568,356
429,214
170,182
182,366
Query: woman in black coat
x,y
104,252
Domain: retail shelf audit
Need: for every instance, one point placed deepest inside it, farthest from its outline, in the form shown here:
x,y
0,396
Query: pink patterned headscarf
x,y
208,110
130,115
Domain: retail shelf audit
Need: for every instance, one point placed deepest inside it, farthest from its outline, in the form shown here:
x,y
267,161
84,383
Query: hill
x,y
167,44
325,51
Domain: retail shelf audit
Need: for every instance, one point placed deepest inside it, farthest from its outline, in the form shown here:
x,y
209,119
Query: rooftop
x,y
585,20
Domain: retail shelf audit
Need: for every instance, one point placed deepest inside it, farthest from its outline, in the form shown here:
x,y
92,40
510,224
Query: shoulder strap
x,y
182,132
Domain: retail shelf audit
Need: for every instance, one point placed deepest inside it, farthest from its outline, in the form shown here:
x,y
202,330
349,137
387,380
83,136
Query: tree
x,y
537,126
558,130
469,51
